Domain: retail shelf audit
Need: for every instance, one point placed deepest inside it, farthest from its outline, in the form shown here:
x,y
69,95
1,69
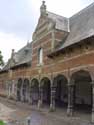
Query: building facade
x,y
57,67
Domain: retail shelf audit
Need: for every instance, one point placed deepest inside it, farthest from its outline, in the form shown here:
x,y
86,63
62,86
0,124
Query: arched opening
x,y
19,86
61,99
34,91
25,90
82,91
46,87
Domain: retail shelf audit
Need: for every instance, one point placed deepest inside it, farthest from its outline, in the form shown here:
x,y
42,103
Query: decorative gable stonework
x,y
49,22
41,29
50,31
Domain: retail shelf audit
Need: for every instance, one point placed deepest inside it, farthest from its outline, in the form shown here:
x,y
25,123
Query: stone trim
x,y
92,83
66,70
39,38
80,55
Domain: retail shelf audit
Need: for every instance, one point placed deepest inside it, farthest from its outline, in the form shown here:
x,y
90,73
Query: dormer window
x,y
40,56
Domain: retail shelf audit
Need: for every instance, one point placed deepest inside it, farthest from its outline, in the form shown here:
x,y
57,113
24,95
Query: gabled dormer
x,y
50,22
50,31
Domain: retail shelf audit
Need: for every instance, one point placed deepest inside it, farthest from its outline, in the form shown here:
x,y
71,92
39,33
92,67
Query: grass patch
x,y
1,122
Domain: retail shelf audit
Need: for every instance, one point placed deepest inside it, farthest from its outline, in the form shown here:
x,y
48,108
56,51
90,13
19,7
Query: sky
x,y
18,19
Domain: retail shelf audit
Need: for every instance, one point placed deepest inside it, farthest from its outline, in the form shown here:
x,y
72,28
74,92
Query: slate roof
x,y
61,23
81,26
23,56
6,67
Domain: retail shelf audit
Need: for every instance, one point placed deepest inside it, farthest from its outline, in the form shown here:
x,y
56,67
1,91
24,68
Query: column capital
x,y
92,83
53,86
70,84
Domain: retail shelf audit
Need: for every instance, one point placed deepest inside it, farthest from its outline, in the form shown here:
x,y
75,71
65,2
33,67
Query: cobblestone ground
x,y
16,115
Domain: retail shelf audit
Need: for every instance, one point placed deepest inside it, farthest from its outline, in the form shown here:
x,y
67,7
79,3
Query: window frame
x,y
40,56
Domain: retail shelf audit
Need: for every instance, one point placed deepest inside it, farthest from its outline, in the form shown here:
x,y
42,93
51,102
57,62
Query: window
x,y
40,56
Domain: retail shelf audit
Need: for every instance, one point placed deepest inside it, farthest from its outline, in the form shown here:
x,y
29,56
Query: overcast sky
x,y
18,19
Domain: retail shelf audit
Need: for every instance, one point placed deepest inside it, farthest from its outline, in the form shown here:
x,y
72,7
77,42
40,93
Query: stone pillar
x,y
13,85
70,99
9,91
21,94
24,95
15,90
92,101
7,88
40,102
31,95
27,94
53,93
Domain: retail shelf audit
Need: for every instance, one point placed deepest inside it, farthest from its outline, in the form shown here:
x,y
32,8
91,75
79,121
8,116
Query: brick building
x,y
57,67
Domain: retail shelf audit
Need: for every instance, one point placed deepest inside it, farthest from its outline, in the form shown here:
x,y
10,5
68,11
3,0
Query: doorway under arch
x,y
34,91
82,91
25,90
61,97
19,87
46,87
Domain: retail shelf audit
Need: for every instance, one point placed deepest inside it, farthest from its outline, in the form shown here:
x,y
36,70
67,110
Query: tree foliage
x,y
1,122
1,59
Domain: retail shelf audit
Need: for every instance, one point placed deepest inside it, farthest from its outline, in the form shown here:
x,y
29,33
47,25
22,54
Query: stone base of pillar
x,y
22,99
92,117
70,111
15,98
52,108
29,102
40,104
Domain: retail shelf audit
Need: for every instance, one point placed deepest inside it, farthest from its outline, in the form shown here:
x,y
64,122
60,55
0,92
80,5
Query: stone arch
x,y
34,91
19,87
34,81
82,90
61,97
25,90
45,85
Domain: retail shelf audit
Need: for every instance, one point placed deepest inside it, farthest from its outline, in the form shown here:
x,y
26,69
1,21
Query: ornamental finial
x,y
43,9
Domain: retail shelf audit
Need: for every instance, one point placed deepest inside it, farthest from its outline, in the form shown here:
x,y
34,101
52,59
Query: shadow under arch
x,y
61,97
19,87
34,91
25,90
82,91
45,84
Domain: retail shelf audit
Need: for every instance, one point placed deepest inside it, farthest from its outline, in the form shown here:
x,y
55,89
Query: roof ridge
x,y
82,10
57,15
24,47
